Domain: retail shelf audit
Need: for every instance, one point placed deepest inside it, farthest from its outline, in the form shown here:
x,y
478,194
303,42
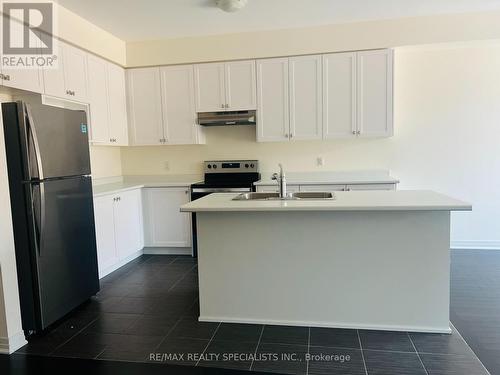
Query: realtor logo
x,y
27,28
27,35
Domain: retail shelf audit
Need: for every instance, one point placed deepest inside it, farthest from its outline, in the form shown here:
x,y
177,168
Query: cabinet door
x,y
98,100
241,89
166,226
23,79
375,93
53,78
105,233
272,100
179,116
209,87
339,95
144,106
128,223
117,109
306,102
75,73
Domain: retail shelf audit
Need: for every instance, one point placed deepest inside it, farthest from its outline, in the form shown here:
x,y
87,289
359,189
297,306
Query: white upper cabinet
x,y
339,95
108,110
117,105
306,101
178,105
225,86
98,100
69,79
240,83
375,93
23,79
209,86
144,106
273,122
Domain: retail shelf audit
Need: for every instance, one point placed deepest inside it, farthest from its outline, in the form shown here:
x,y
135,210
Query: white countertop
x,y
402,200
332,178
138,182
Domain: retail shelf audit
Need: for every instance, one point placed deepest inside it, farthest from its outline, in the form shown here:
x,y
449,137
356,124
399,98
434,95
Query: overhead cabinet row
x,y
84,78
325,96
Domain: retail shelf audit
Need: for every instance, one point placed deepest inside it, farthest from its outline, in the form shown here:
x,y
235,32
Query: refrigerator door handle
x,y
39,215
32,133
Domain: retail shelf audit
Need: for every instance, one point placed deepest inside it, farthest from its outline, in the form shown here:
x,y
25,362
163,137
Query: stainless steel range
x,y
224,176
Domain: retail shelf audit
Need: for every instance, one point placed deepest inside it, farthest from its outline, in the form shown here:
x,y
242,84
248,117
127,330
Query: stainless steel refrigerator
x,y
52,210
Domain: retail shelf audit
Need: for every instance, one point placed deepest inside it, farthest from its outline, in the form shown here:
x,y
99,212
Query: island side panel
x,y
386,270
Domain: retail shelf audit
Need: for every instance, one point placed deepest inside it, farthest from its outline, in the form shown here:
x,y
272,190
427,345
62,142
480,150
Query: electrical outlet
x,y
320,161
166,165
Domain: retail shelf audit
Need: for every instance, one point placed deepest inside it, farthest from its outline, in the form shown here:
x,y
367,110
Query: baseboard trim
x,y
9,345
168,250
121,263
377,327
476,245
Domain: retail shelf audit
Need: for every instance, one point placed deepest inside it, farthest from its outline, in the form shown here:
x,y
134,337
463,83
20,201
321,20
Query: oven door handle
x,y
221,190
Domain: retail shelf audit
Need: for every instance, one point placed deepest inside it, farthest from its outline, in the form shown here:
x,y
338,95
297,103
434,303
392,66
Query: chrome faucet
x,y
281,179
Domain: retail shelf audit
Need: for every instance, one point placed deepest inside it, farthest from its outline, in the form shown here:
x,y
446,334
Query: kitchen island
x,y
367,259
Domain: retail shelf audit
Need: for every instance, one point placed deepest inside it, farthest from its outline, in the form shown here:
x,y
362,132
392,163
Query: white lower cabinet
x,y
119,229
164,224
327,187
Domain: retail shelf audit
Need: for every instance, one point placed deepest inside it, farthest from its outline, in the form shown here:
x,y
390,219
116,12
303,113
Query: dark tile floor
x,y
147,312
475,302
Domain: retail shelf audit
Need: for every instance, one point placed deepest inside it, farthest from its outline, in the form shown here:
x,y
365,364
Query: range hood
x,y
229,118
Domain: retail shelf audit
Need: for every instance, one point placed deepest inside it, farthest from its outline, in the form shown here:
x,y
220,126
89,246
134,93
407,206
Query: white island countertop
x,y
332,178
401,200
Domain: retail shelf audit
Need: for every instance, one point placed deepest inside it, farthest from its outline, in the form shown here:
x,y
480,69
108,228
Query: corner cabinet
x,y
165,225
226,86
161,106
119,229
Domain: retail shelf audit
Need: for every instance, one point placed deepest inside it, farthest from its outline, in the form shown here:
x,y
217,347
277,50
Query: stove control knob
x,y
209,166
246,165
215,166
252,165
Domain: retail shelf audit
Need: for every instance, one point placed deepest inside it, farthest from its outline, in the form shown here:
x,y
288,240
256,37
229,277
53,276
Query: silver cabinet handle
x,y
223,106
227,105
354,132
287,135
291,135
358,132
1,76
6,77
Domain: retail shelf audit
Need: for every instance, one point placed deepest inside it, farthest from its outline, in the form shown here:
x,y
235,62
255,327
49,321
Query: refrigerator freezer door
x,y
57,142
65,245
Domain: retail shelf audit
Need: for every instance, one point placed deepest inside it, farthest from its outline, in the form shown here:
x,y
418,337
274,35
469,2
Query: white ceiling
x,y
133,20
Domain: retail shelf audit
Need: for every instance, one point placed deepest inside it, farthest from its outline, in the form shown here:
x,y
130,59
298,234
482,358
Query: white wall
x,y
447,111
10,314
320,39
105,161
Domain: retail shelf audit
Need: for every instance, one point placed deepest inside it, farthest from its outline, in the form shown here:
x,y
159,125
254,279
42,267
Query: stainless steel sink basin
x,y
314,195
305,195
259,196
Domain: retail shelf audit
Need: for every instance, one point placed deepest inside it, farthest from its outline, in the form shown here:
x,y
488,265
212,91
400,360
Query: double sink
x,y
304,195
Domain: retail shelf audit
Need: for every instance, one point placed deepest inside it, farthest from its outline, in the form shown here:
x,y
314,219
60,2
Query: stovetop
x,y
229,174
